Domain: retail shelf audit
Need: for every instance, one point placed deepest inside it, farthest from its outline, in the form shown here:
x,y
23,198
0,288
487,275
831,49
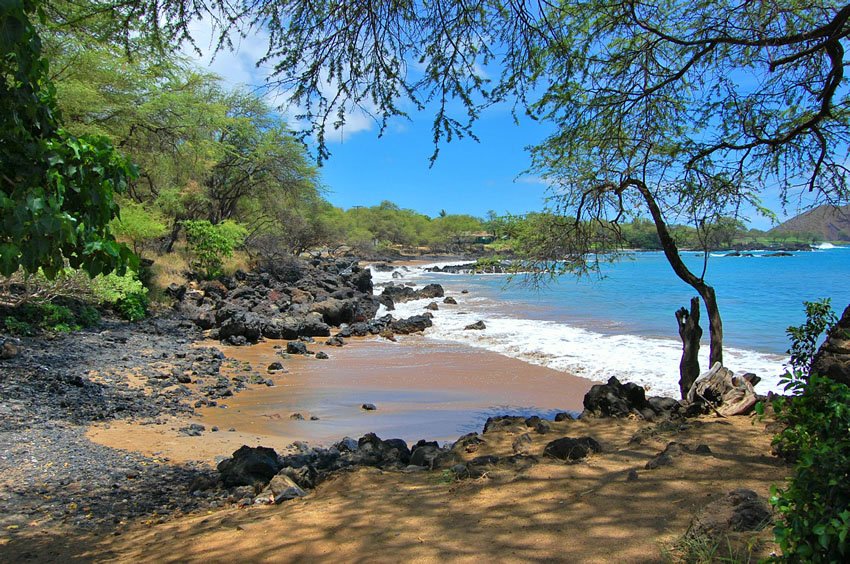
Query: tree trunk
x,y
175,233
706,292
715,324
691,333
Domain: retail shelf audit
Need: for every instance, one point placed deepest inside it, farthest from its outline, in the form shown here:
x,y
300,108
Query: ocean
x,y
623,323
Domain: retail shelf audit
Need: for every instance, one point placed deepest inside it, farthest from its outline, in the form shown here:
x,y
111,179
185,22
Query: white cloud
x,y
235,67
238,67
535,180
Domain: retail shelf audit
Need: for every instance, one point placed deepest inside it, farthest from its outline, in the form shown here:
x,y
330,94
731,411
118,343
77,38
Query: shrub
x,y
138,225
18,327
28,318
211,244
88,316
126,294
815,518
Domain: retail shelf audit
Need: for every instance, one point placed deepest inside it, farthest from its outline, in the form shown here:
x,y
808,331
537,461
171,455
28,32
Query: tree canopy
x,y
685,111
57,190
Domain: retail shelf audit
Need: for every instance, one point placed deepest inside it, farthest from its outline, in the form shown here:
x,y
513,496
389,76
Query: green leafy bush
x,y
57,191
211,244
133,307
88,316
18,327
138,225
126,294
54,315
31,317
815,504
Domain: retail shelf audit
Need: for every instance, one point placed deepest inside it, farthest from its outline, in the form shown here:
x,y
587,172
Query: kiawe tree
x,y
684,111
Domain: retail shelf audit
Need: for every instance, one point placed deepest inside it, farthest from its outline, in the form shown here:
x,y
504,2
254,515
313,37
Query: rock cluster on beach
x,y
300,299
503,267
614,399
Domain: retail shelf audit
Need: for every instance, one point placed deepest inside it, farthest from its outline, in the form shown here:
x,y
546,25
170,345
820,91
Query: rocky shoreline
x,y
53,476
150,372
52,387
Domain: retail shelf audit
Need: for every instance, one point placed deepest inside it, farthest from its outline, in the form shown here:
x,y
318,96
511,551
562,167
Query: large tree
x,y
679,109
56,189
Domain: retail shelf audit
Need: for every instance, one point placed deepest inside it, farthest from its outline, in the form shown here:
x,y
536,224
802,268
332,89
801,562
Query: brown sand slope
x,y
545,511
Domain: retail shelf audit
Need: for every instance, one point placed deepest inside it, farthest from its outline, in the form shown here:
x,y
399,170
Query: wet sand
x,y
423,389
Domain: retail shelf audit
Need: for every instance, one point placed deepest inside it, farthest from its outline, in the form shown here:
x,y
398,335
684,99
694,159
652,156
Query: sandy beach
x,y
422,390
542,510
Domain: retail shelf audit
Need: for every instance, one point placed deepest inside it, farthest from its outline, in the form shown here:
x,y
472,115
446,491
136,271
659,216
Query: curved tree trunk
x,y
175,233
706,292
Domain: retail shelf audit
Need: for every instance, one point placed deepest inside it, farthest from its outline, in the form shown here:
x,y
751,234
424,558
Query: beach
x,y
422,390
127,452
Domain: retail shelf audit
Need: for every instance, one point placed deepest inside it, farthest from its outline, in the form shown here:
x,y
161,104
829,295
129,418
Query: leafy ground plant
x,y
813,506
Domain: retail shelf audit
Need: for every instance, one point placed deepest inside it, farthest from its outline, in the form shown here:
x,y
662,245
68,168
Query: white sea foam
x,y
650,362
826,247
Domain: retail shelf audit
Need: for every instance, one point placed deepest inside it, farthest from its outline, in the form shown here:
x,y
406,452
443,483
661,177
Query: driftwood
x,y
724,392
691,333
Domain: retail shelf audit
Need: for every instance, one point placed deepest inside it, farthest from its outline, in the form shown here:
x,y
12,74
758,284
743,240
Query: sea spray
x,y
595,351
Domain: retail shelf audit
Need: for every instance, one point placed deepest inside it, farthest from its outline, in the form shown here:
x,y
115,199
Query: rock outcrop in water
x,y
394,294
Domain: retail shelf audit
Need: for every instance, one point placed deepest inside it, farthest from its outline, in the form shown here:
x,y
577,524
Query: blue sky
x,y
468,177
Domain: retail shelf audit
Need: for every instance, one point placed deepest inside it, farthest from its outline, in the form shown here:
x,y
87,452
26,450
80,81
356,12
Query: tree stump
x,y
690,333
724,392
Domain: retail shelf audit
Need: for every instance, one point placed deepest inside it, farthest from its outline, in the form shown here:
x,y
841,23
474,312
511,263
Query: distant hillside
x,y
832,224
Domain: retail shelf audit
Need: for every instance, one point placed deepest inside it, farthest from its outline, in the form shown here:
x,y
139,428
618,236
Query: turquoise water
x,y
624,325
759,297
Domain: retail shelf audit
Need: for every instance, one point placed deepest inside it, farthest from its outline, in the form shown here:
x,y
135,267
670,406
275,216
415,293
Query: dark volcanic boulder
x,y
285,328
481,465
214,288
296,347
614,399
477,326
415,324
833,358
376,452
203,317
249,466
401,294
501,421
365,308
335,341
664,406
570,449
242,324
362,280
398,294
739,510
176,291
314,326
431,291
398,445
335,312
